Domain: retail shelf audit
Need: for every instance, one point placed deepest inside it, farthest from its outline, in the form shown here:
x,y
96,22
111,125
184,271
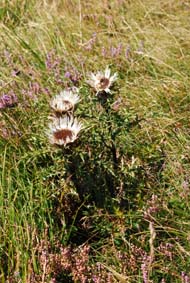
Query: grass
x,y
114,205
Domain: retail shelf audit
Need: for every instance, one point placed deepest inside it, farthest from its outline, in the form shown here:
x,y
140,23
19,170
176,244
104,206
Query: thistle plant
x,y
94,162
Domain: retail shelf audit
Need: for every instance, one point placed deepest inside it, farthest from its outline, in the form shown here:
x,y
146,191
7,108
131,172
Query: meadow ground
x,y
114,205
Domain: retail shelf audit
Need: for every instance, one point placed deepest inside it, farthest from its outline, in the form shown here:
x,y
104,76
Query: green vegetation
x,y
114,205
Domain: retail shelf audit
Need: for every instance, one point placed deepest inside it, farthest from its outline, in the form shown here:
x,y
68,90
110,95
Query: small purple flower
x,y
104,51
116,51
46,90
185,278
15,72
52,62
91,42
67,74
113,51
8,100
119,48
33,90
140,49
127,52
72,75
4,133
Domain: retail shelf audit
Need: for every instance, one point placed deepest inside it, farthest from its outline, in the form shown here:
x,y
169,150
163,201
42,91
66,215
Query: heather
x,y
111,202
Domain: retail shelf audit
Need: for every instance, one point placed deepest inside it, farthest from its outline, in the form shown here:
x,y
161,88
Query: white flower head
x,y
102,81
64,130
65,101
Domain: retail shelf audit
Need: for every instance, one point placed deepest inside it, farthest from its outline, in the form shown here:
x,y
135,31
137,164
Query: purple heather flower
x,y
145,268
119,48
89,44
67,74
127,52
73,75
104,51
8,100
140,49
113,51
52,62
185,278
116,51
33,90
